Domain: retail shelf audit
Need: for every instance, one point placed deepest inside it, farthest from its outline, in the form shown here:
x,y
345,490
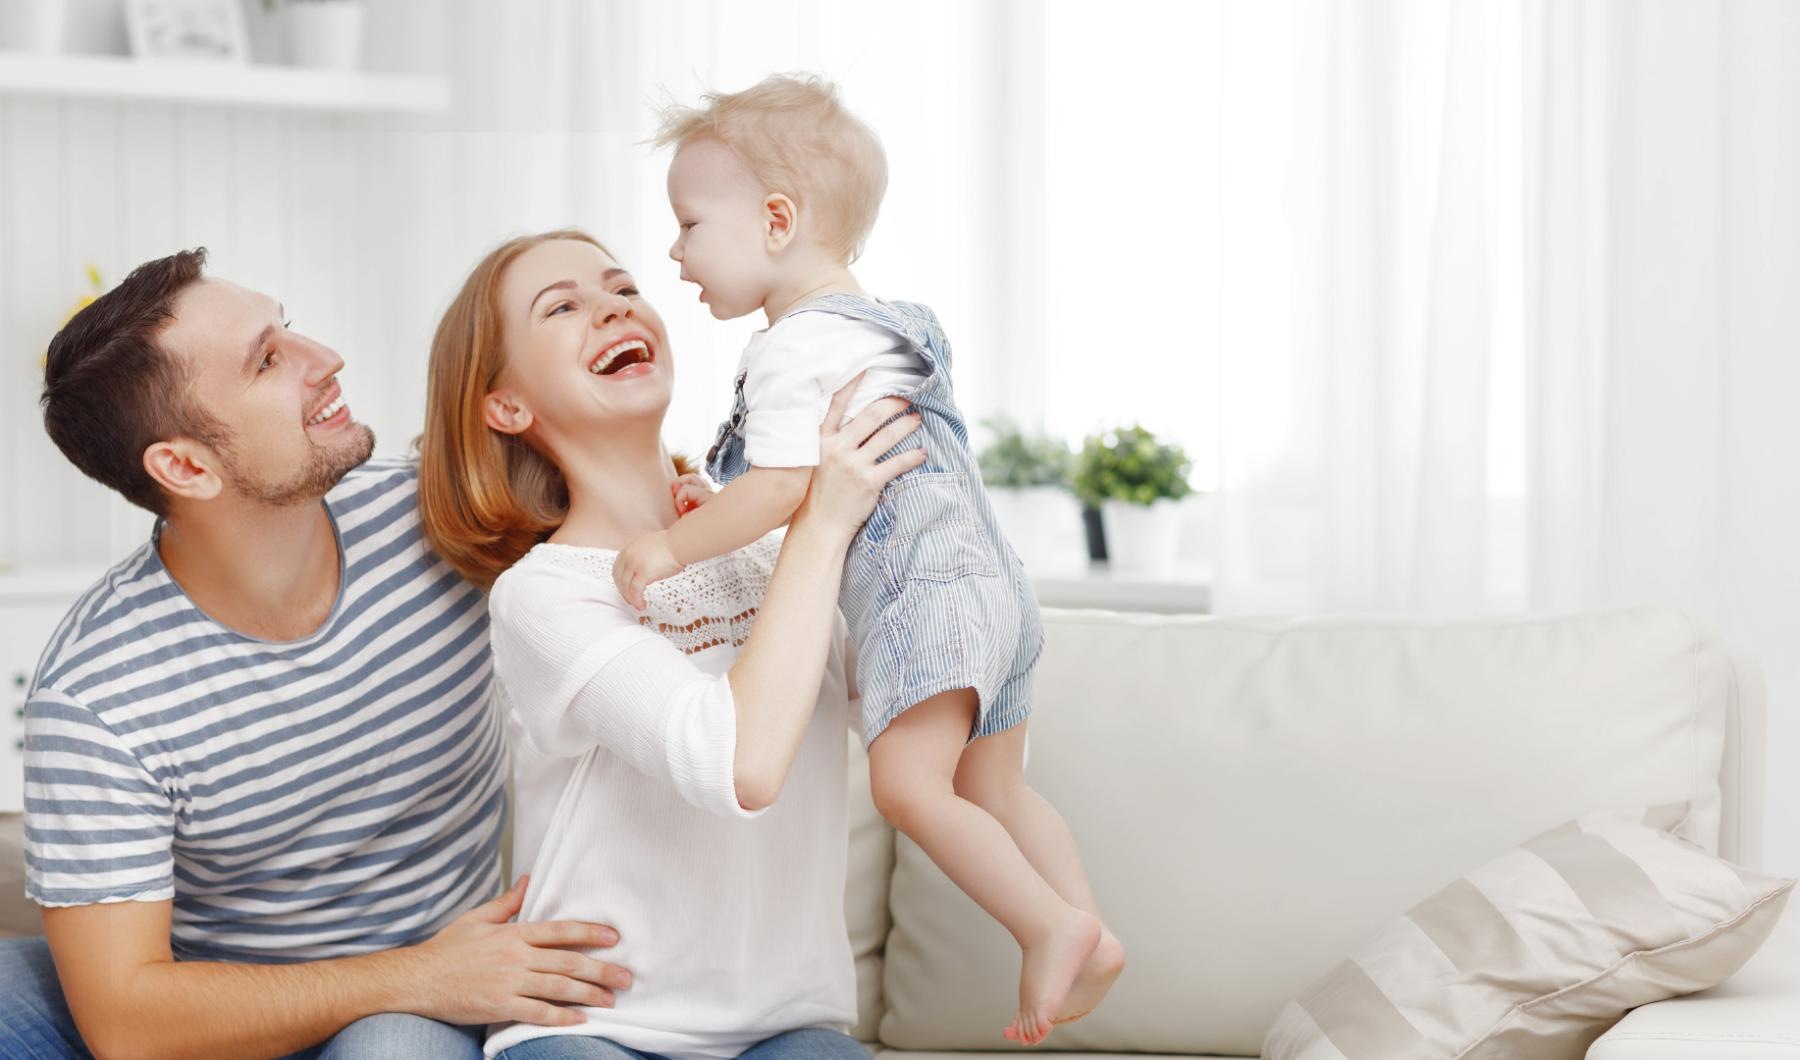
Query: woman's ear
x,y
184,468
780,218
503,411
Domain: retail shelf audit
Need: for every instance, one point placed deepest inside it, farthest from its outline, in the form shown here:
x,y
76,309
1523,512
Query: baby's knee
x,y
895,798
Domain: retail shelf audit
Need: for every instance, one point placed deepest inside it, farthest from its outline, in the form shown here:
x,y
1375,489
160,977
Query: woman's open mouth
x,y
627,357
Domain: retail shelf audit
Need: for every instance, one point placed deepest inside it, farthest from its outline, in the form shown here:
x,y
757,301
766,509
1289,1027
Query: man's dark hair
x,y
110,391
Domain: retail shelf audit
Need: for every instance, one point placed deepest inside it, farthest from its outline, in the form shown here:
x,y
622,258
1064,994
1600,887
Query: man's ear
x,y
504,412
780,221
184,468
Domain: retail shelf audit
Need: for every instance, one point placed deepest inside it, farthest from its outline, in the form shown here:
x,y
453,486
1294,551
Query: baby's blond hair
x,y
797,138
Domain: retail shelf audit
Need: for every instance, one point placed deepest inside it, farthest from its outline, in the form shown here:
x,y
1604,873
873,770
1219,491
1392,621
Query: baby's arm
x,y
757,502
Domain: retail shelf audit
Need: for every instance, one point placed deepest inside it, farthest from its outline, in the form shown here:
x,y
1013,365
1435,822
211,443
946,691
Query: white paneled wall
x,y
361,224
278,199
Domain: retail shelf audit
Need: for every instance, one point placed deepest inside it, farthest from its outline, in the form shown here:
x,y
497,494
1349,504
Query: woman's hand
x,y
851,475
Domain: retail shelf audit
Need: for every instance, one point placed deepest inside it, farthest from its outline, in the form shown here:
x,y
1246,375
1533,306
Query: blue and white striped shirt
x,y
329,796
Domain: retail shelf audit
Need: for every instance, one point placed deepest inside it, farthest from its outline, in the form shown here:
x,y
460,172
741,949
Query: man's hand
x,y
644,561
483,969
691,491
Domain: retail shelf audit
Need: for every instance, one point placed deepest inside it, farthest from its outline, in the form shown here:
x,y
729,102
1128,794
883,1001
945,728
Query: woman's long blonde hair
x,y
485,498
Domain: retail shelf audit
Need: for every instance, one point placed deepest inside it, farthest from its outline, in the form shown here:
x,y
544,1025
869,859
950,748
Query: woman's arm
x,y
582,672
775,681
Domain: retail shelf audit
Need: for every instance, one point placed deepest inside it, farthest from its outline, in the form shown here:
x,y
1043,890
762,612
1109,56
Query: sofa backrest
x,y
1254,798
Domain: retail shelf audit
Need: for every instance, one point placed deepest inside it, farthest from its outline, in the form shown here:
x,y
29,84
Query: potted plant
x,y
1027,478
1135,481
327,34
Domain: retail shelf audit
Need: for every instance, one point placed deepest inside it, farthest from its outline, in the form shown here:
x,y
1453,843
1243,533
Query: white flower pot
x,y
1043,524
33,25
1142,538
327,34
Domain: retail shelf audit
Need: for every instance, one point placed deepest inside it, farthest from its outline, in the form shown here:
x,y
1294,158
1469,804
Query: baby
x,y
775,189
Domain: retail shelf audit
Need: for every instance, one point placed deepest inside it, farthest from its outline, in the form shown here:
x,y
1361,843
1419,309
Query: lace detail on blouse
x,y
710,603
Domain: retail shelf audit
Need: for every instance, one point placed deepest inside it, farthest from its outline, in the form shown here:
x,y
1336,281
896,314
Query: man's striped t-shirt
x,y
333,795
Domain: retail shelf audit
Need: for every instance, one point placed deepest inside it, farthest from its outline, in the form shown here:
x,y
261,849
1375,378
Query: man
x,y
264,778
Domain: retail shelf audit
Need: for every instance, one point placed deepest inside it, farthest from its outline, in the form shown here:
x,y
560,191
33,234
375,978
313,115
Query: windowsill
x,y
1183,589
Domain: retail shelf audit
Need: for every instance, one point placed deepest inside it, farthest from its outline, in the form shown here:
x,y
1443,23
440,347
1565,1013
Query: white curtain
x,y
1542,270
1462,307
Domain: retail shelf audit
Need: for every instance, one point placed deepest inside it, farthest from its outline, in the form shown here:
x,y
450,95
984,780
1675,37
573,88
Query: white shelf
x,y
47,583
1182,590
116,77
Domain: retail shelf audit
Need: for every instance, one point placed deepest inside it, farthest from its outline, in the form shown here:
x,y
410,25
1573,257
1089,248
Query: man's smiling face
x,y
287,434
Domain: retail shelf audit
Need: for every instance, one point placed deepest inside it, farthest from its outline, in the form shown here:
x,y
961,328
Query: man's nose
x,y
322,362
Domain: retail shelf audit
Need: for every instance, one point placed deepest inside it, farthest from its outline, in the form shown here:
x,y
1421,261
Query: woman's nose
x,y
610,309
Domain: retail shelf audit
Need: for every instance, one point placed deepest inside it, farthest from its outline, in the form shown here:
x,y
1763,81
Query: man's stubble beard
x,y
324,469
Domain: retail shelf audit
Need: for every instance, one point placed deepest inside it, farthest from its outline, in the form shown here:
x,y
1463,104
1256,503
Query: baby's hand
x,y
644,561
691,491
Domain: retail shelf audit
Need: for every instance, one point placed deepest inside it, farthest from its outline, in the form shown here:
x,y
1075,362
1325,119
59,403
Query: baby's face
x,y
719,205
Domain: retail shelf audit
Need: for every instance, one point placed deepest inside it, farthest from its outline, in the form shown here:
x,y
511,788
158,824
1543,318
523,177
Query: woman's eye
x,y
559,307
268,361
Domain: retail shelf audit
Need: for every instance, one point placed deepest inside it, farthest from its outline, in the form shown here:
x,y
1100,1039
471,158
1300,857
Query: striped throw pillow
x,y
1538,952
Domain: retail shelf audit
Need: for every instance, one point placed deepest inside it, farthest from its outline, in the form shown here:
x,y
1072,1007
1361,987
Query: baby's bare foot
x,y
1050,967
1096,978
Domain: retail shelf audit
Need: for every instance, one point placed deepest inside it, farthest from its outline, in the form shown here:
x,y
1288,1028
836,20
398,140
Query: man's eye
x,y
268,362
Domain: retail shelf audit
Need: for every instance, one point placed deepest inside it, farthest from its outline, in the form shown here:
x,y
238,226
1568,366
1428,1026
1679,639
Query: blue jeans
x,y
811,1043
35,1023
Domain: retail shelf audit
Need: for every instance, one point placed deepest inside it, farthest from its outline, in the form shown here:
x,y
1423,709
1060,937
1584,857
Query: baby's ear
x,y
779,221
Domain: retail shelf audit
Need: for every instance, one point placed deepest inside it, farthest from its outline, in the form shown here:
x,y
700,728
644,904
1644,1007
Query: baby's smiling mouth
x,y
621,354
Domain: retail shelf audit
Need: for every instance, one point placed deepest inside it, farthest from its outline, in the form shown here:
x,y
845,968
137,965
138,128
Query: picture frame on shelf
x,y
188,30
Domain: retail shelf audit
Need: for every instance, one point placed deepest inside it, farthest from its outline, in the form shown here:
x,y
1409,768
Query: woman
x,y
650,747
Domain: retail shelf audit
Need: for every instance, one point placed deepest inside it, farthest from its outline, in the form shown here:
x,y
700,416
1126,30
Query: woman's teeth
x,y
327,412
631,351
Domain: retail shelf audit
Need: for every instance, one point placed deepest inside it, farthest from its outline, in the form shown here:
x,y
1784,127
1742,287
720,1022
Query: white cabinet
x,y
31,606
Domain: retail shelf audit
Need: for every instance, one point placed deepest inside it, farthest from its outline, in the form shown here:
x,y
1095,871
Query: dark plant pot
x,y
1096,532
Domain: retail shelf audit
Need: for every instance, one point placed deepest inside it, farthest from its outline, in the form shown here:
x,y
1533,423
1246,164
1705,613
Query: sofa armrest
x,y
1754,1015
1763,1027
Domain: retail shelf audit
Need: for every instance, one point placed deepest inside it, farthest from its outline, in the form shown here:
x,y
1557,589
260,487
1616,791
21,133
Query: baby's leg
x,y
912,769
991,774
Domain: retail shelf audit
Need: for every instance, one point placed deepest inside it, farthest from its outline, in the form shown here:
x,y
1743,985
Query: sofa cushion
x,y
1255,797
866,892
1539,951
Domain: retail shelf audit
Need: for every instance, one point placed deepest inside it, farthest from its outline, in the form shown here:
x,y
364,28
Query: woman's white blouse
x,y
625,811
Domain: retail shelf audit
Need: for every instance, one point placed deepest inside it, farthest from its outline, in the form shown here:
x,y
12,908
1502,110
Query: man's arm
x,y
130,998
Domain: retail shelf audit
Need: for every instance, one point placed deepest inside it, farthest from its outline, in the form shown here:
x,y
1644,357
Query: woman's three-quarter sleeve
x,y
581,672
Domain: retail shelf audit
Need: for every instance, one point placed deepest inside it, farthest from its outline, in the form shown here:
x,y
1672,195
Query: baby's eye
x,y
629,292
685,225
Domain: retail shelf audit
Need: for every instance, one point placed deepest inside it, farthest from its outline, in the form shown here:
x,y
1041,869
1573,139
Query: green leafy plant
x,y
1129,464
1015,460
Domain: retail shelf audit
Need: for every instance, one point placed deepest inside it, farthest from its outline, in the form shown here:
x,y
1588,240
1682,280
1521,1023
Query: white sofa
x,y
1255,797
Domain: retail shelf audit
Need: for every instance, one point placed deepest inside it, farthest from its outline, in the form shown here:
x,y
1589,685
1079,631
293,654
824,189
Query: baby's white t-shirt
x,y
792,368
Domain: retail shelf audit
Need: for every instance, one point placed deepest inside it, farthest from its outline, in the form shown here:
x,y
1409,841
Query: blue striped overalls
x,y
934,596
